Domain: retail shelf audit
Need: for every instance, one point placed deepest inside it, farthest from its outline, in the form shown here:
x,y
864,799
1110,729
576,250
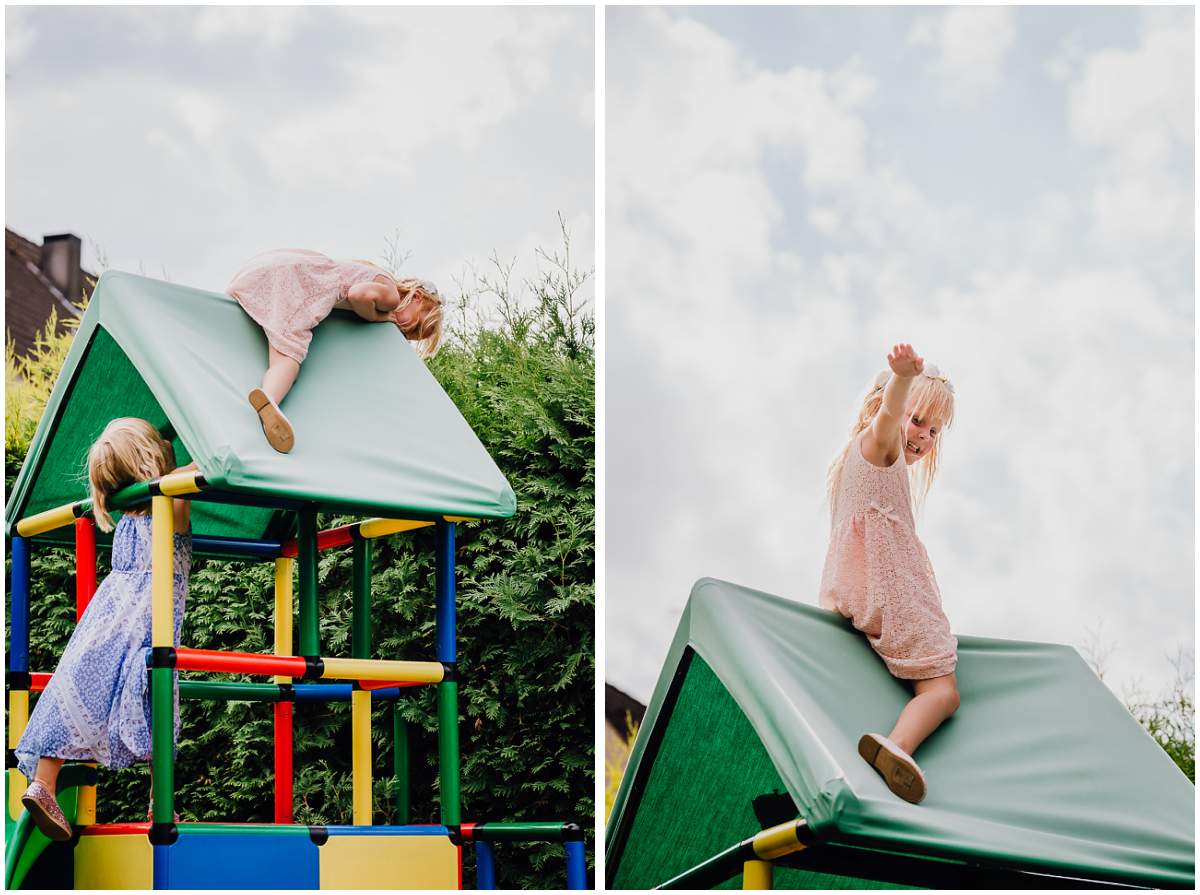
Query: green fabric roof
x,y
1041,769
375,433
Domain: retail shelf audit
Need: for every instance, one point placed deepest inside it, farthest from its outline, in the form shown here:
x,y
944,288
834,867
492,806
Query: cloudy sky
x,y
181,141
792,190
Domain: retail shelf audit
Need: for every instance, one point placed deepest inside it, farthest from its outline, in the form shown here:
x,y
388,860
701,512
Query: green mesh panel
x,y
106,387
698,799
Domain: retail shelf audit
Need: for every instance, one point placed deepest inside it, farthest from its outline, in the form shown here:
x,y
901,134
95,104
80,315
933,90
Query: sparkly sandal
x,y
46,814
274,424
899,771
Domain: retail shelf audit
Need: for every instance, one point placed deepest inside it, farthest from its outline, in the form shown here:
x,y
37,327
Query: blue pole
x,y
162,870
485,866
446,649
576,865
18,610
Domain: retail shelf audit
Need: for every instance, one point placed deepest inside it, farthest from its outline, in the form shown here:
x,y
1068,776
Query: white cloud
x,y
969,46
1134,111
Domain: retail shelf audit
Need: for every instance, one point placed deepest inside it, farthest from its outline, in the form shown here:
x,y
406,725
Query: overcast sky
x,y
181,141
790,192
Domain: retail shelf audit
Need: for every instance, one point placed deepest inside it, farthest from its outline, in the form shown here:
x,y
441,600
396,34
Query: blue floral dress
x,y
97,705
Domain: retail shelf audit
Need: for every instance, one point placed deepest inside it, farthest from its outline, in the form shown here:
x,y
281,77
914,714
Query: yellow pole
x,y
162,575
283,612
18,717
756,875
780,840
378,528
360,723
85,811
50,520
383,670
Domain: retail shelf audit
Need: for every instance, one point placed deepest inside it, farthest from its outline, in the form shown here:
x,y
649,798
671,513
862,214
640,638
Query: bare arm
x,y
373,301
879,445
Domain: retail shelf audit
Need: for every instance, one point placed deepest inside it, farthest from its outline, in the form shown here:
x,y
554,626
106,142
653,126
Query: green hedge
x,y
525,383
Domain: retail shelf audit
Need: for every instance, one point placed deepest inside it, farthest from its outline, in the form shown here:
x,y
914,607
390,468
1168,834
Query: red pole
x,y
85,564
283,762
238,663
331,537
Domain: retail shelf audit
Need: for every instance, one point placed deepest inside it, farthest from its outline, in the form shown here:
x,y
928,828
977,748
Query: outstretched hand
x,y
904,361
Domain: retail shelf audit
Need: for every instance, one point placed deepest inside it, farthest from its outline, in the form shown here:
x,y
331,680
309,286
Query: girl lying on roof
x,y
289,291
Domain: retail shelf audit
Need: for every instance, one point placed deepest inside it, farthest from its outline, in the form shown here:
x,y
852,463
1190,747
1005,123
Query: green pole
x,y
162,745
229,691
448,751
400,765
310,638
360,639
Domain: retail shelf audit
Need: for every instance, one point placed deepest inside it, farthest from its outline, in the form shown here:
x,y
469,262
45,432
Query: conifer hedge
x,y
524,380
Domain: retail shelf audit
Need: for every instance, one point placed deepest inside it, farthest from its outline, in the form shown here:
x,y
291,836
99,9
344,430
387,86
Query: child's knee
x,y
951,700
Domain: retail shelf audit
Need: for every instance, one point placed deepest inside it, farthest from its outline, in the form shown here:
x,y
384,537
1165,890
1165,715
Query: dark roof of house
x,y
29,295
617,703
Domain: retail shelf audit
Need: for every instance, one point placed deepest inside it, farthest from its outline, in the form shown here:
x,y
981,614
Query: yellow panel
x,y
377,528
389,862
383,670
114,862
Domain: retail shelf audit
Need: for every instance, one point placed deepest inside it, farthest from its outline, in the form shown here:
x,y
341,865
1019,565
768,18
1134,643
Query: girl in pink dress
x,y
290,291
877,573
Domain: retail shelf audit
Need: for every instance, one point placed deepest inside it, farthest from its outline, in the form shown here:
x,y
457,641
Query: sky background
x,y
181,141
790,191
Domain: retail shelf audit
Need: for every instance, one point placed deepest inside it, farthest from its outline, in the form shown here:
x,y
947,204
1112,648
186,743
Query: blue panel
x,y
411,830
242,861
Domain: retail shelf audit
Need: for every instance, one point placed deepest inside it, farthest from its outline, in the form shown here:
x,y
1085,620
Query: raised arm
x,y
880,444
373,301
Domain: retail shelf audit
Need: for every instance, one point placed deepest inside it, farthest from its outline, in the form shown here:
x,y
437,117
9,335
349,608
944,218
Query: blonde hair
x,y
428,338
929,396
129,450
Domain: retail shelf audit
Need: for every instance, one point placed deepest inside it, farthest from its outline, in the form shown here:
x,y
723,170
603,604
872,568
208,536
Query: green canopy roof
x,y
1041,770
375,433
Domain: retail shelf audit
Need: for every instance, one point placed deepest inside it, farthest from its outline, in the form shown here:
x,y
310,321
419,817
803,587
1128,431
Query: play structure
x,y
377,437
746,768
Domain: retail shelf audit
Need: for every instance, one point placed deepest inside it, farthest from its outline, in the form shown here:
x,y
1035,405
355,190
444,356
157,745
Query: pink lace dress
x,y
290,291
878,575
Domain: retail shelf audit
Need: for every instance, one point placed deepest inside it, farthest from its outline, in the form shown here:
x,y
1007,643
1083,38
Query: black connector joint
x,y
572,832
287,693
163,834
162,657
455,834
314,668
449,671
19,680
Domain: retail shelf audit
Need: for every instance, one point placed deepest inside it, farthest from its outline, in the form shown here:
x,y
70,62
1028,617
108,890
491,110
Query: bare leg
x,y
46,773
281,374
936,700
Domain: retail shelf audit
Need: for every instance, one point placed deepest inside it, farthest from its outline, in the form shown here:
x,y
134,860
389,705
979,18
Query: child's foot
x,y
896,766
275,425
43,808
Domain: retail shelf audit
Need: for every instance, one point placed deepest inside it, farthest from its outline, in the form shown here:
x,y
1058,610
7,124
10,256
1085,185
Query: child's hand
x,y
904,361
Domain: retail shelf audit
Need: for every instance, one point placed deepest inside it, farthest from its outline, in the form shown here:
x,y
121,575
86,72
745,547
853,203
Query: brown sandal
x,y
274,424
46,814
897,767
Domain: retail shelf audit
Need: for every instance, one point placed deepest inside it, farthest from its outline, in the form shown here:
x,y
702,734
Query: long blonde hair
x,y
928,396
129,450
428,337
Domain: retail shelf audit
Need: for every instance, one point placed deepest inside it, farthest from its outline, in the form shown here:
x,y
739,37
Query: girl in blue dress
x,y
96,706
